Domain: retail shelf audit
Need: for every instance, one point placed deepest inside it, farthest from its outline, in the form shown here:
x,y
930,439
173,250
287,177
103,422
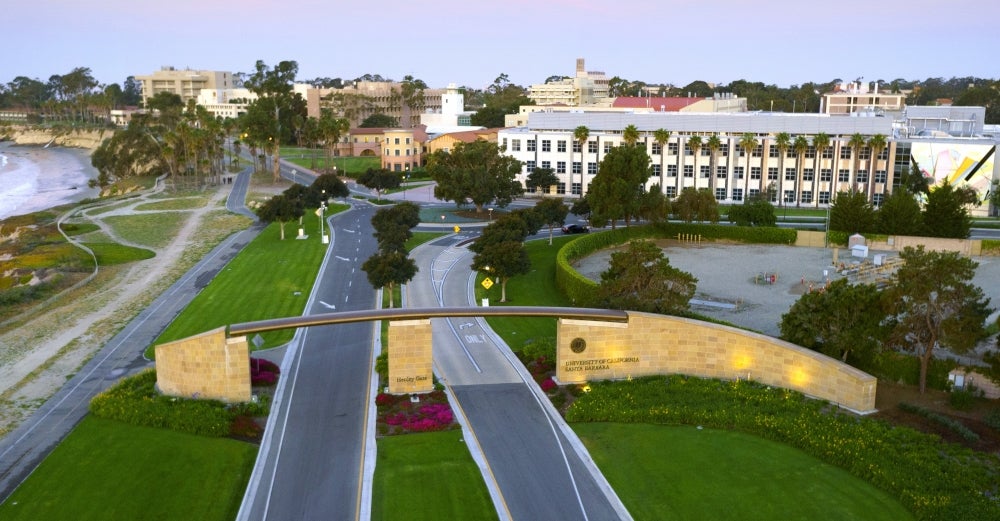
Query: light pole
x,y
322,217
491,213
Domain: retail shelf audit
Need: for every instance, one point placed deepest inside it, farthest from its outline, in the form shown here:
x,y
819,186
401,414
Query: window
x,y
671,192
396,141
865,153
825,174
577,167
592,168
720,194
789,174
772,151
688,170
720,172
515,145
671,170
754,193
807,174
884,153
688,151
607,146
576,148
656,170
828,153
789,196
407,141
561,189
547,164
546,145
657,149
705,151
878,199
672,149
724,150
843,175
824,198
862,176
811,152
845,152
561,145
758,151
531,145
737,194
705,170
592,147
880,176
738,172
789,152
772,173
530,165
577,189
806,197
396,152
755,172
560,167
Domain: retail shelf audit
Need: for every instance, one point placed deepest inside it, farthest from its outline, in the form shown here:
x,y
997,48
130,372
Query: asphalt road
x,y
536,468
311,462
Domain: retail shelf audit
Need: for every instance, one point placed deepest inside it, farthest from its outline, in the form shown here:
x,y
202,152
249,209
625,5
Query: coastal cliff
x,y
74,138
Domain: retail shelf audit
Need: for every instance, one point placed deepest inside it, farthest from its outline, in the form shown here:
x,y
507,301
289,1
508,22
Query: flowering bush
x,y
548,385
263,372
400,415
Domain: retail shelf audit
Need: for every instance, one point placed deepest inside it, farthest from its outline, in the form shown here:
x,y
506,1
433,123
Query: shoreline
x,y
35,178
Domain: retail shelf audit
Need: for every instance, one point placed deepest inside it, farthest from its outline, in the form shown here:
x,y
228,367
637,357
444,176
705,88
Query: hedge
x,y
931,478
581,290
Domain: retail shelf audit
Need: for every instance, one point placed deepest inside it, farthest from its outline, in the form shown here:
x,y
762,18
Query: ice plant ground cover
x,y
403,413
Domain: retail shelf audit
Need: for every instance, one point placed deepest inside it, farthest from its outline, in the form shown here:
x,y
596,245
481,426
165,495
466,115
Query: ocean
x,y
35,178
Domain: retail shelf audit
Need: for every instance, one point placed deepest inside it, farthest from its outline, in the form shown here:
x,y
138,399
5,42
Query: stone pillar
x,y
208,366
410,357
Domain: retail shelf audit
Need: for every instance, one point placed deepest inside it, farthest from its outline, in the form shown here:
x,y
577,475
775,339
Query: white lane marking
x,y
327,306
338,257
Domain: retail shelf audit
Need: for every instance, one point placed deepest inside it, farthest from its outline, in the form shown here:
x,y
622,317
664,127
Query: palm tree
x,y
800,146
661,136
714,144
694,144
821,142
782,142
630,135
856,142
877,144
580,134
748,142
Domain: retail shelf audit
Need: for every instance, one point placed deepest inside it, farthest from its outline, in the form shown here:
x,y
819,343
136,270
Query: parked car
x,y
575,228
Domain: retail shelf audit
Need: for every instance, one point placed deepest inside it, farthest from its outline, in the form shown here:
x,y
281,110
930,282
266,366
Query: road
x,y
311,460
537,467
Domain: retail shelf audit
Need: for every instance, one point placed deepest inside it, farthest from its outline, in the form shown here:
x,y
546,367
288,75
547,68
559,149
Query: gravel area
x,y
731,277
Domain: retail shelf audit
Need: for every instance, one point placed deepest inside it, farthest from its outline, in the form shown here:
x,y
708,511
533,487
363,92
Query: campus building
x,y
584,88
855,97
749,160
185,83
361,99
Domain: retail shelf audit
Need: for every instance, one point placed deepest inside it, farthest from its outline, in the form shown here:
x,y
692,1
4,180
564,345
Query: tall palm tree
x,y
782,142
630,135
800,146
877,144
694,143
748,142
821,142
662,136
714,144
857,142
581,134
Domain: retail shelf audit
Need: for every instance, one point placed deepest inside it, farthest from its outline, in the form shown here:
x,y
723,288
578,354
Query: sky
x,y
472,42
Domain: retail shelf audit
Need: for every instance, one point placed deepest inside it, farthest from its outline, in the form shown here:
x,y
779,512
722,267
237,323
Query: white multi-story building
x,y
733,172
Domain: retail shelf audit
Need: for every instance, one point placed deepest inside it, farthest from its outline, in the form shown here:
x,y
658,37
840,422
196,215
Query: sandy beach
x,y
34,178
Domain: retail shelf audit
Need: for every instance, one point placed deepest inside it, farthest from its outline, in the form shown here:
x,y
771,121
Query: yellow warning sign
x,y
487,283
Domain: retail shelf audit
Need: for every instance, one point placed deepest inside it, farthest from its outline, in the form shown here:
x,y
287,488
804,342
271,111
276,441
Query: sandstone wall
x,y
89,139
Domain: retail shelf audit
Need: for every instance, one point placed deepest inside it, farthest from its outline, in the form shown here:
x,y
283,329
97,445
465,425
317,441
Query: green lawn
x,y
270,278
428,476
680,472
345,165
154,230
109,253
179,203
110,471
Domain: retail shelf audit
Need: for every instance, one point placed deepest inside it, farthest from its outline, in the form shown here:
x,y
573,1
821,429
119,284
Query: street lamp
x,y
322,217
491,213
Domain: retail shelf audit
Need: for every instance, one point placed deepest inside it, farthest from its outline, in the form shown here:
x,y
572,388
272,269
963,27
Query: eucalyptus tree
x,y
274,90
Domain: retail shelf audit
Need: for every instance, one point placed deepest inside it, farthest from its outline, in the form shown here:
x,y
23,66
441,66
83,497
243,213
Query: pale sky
x,y
471,42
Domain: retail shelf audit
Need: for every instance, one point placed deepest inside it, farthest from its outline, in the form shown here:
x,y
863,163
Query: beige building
x,y
855,98
585,88
402,148
446,142
185,83
366,98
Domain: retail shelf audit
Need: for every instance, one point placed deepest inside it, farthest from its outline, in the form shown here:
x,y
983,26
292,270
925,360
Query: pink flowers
x,y
263,372
430,417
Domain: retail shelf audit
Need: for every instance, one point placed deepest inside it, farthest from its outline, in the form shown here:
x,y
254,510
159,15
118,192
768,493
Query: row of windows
x,y
674,148
788,196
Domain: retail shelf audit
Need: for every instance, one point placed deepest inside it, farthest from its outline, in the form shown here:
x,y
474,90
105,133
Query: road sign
x,y
487,283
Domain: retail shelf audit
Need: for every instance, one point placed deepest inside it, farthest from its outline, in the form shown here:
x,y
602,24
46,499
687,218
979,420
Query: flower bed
x,y
399,414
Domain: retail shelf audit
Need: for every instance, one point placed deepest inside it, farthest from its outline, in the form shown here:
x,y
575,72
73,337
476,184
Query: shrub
x,y
992,419
952,424
263,378
962,399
